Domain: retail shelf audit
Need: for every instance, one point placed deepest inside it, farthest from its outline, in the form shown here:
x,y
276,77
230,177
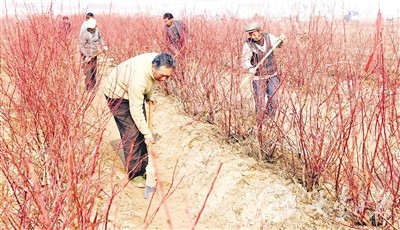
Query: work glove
x,y
253,70
105,48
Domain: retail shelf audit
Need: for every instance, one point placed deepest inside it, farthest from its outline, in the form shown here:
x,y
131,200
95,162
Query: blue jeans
x,y
261,89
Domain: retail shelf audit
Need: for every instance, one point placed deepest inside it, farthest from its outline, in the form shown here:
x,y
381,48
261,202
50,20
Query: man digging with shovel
x,y
258,58
128,86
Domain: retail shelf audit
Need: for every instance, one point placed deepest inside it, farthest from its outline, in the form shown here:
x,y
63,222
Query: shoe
x,y
139,182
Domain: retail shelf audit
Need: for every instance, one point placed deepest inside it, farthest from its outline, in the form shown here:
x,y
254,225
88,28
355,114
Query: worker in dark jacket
x,y
176,33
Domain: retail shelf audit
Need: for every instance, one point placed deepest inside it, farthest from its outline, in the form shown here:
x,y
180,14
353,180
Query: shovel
x,y
151,181
91,58
281,38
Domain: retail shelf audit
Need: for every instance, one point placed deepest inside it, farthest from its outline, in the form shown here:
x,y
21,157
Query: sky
x,y
367,9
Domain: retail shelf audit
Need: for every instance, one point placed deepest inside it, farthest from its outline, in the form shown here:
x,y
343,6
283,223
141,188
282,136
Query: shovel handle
x,y
281,38
150,118
151,181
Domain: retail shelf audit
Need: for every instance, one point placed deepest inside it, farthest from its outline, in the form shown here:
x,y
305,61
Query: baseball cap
x,y
91,23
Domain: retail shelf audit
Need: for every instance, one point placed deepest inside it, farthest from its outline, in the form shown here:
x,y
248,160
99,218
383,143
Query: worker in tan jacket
x,y
127,87
89,39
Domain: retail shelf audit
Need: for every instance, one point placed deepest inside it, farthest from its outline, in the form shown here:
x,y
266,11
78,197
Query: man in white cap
x,y
88,42
84,26
265,80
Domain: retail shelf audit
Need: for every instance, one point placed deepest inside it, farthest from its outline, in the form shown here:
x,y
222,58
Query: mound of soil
x,y
191,155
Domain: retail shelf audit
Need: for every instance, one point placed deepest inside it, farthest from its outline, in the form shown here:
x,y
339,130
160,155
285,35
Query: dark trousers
x,y
90,70
135,149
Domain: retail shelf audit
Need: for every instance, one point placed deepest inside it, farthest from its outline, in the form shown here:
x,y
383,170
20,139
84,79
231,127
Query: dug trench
x,y
207,182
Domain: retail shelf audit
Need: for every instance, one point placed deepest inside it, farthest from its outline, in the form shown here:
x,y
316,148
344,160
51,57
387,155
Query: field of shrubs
x,y
337,125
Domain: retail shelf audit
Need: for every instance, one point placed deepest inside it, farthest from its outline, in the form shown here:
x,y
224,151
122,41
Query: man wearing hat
x,y
89,39
265,78
83,26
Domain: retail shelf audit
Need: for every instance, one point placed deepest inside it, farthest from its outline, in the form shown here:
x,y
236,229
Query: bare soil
x,y
245,195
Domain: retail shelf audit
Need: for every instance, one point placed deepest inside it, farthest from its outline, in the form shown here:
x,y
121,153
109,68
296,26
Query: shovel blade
x,y
148,190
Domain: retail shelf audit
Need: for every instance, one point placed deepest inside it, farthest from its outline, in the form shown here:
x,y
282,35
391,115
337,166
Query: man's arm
x,y
246,56
274,39
246,59
102,42
82,43
167,38
136,99
185,31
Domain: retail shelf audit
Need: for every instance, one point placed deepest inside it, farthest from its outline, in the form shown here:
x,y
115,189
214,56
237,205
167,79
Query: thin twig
x,y
208,194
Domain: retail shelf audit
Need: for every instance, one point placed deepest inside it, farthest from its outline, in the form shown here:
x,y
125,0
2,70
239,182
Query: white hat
x,y
91,23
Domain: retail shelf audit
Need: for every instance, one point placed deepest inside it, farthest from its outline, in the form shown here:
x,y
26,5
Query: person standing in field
x,y
64,31
176,38
175,32
128,86
88,42
65,26
265,79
